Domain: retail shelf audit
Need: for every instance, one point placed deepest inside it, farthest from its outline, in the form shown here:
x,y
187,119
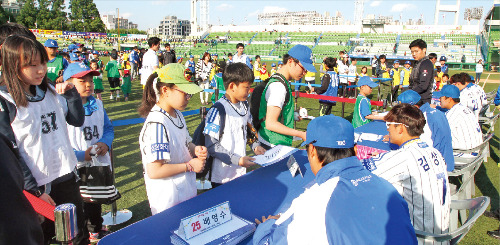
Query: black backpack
x,y
257,95
199,139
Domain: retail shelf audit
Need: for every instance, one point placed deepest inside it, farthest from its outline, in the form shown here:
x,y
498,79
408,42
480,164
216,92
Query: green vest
x,y
54,67
97,82
286,117
357,119
220,86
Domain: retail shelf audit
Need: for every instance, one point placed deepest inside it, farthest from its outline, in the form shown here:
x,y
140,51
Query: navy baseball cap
x,y
78,70
273,64
73,57
366,80
341,136
51,43
450,91
408,62
304,55
443,58
396,61
409,97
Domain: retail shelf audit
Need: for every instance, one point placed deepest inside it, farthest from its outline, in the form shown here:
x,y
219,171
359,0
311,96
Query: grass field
x,y
130,182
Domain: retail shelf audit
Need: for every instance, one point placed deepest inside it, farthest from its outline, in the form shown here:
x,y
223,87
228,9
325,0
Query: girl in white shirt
x,y
169,158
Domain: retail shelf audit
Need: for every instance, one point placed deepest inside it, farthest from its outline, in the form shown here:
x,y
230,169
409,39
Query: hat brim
x,y
189,88
306,142
437,95
370,84
85,73
308,66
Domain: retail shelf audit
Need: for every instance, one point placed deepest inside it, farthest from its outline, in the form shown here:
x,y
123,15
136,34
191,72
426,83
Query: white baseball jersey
x,y
42,136
474,98
465,130
233,139
166,138
149,61
418,172
352,73
89,133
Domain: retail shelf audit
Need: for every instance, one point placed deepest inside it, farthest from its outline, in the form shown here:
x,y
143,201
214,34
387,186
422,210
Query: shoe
x,y
492,214
95,237
494,234
111,97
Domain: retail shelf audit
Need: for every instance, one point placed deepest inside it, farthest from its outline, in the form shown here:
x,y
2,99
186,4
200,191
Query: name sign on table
x,y
293,166
205,220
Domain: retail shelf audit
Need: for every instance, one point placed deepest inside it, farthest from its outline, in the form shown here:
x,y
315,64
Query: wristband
x,y
186,168
191,169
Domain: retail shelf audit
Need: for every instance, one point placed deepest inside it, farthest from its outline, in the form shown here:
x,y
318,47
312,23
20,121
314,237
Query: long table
x,y
267,190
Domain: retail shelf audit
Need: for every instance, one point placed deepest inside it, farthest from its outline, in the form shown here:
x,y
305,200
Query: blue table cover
x,y
265,191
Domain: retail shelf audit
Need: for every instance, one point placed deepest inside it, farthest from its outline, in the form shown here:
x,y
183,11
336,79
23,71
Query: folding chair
x,y
476,208
465,173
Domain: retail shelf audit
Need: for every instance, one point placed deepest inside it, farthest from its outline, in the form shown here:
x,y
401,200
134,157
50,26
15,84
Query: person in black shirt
x,y
168,55
422,75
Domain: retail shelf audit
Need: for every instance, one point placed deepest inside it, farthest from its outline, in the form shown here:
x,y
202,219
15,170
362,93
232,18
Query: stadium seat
x,y
476,208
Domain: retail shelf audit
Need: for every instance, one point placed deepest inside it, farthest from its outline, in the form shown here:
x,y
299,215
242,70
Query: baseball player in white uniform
x,y
416,170
471,95
150,59
465,130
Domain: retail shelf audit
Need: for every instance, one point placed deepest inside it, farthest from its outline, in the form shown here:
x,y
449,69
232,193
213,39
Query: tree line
x,y
50,15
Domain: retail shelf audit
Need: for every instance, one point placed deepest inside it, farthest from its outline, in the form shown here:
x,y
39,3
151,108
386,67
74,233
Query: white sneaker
x,y
111,97
118,96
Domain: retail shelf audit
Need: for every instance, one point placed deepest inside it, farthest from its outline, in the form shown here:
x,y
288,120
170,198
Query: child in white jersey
x,y
96,130
229,148
168,156
33,116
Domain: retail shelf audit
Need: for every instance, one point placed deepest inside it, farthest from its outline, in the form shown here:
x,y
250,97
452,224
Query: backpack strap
x,y
222,114
282,80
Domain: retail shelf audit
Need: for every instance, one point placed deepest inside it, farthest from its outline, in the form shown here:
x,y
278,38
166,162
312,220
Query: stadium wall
x,y
404,29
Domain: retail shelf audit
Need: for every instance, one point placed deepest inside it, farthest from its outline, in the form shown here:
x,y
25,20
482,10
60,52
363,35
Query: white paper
x,y
274,155
370,137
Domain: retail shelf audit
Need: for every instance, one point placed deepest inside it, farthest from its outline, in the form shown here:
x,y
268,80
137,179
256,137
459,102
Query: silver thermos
x,y
65,222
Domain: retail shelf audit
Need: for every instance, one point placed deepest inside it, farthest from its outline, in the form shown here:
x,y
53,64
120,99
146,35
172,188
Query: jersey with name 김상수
x,y
166,138
418,172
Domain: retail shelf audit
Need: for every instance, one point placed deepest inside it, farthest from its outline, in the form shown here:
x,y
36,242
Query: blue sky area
x,y
149,13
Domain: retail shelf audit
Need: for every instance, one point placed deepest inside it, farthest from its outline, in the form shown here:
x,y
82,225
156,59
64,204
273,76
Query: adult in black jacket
x,y
422,75
168,55
18,220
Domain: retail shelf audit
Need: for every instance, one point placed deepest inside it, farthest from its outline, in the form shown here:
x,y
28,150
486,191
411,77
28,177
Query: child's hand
x,y
197,164
201,152
102,149
59,79
246,161
87,154
259,150
264,219
61,88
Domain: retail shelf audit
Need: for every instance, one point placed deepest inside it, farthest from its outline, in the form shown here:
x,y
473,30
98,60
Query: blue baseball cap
x,y
51,43
366,80
215,55
408,62
304,55
191,56
280,62
450,91
472,79
409,97
95,52
73,57
273,65
78,70
342,132
179,58
443,58
396,61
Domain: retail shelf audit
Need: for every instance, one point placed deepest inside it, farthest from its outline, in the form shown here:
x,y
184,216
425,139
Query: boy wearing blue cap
x,y
273,68
276,110
465,129
396,77
191,65
56,64
96,133
444,66
334,209
363,109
